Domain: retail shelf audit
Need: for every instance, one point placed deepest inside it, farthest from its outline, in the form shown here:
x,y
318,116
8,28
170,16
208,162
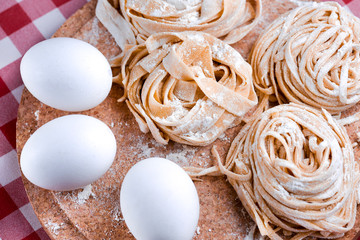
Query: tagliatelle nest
x,y
132,21
293,169
311,55
188,87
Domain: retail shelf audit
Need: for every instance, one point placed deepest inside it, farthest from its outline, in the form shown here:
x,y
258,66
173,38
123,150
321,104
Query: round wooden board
x,y
96,214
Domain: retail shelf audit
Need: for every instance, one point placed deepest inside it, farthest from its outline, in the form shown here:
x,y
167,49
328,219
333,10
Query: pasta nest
x,y
188,87
293,169
310,55
131,21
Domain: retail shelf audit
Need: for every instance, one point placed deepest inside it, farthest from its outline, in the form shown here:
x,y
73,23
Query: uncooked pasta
x,y
188,87
132,21
294,171
310,55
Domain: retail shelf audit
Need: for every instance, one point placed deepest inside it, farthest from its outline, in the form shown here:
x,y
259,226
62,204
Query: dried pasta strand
x,y
131,22
310,55
113,22
188,87
350,119
304,181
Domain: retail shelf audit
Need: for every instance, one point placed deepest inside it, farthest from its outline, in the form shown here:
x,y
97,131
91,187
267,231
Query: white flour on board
x,y
80,198
54,227
36,113
85,194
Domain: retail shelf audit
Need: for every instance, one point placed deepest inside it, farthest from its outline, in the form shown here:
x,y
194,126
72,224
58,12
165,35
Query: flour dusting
x,y
304,3
54,227
224,138
190,18
85,194
181,157
94,34
179,111
117,214
36,113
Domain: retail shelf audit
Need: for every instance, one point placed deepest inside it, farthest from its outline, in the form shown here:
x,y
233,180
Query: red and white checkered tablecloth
x,y
24,23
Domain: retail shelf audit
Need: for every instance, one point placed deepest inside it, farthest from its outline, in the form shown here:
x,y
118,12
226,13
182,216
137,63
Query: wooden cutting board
x,y
94,213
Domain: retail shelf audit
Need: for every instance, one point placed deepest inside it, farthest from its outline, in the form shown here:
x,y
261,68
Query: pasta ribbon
x,y
132,21
188,87
310,55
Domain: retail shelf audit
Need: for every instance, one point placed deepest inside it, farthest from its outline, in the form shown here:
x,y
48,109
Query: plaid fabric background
x,y
24,23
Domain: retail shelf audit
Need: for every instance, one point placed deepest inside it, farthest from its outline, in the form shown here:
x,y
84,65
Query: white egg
x,y
158,200
68,153
66,74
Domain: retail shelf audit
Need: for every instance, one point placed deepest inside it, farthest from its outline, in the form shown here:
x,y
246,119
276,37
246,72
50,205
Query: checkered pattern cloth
x,y
24,23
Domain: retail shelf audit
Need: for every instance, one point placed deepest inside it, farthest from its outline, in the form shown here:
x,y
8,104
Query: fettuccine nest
x,y
188,87
132,21
293,169
311,55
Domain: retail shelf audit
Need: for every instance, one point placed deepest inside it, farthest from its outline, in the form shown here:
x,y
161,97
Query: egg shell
x,y
68,153
158,200
66,74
